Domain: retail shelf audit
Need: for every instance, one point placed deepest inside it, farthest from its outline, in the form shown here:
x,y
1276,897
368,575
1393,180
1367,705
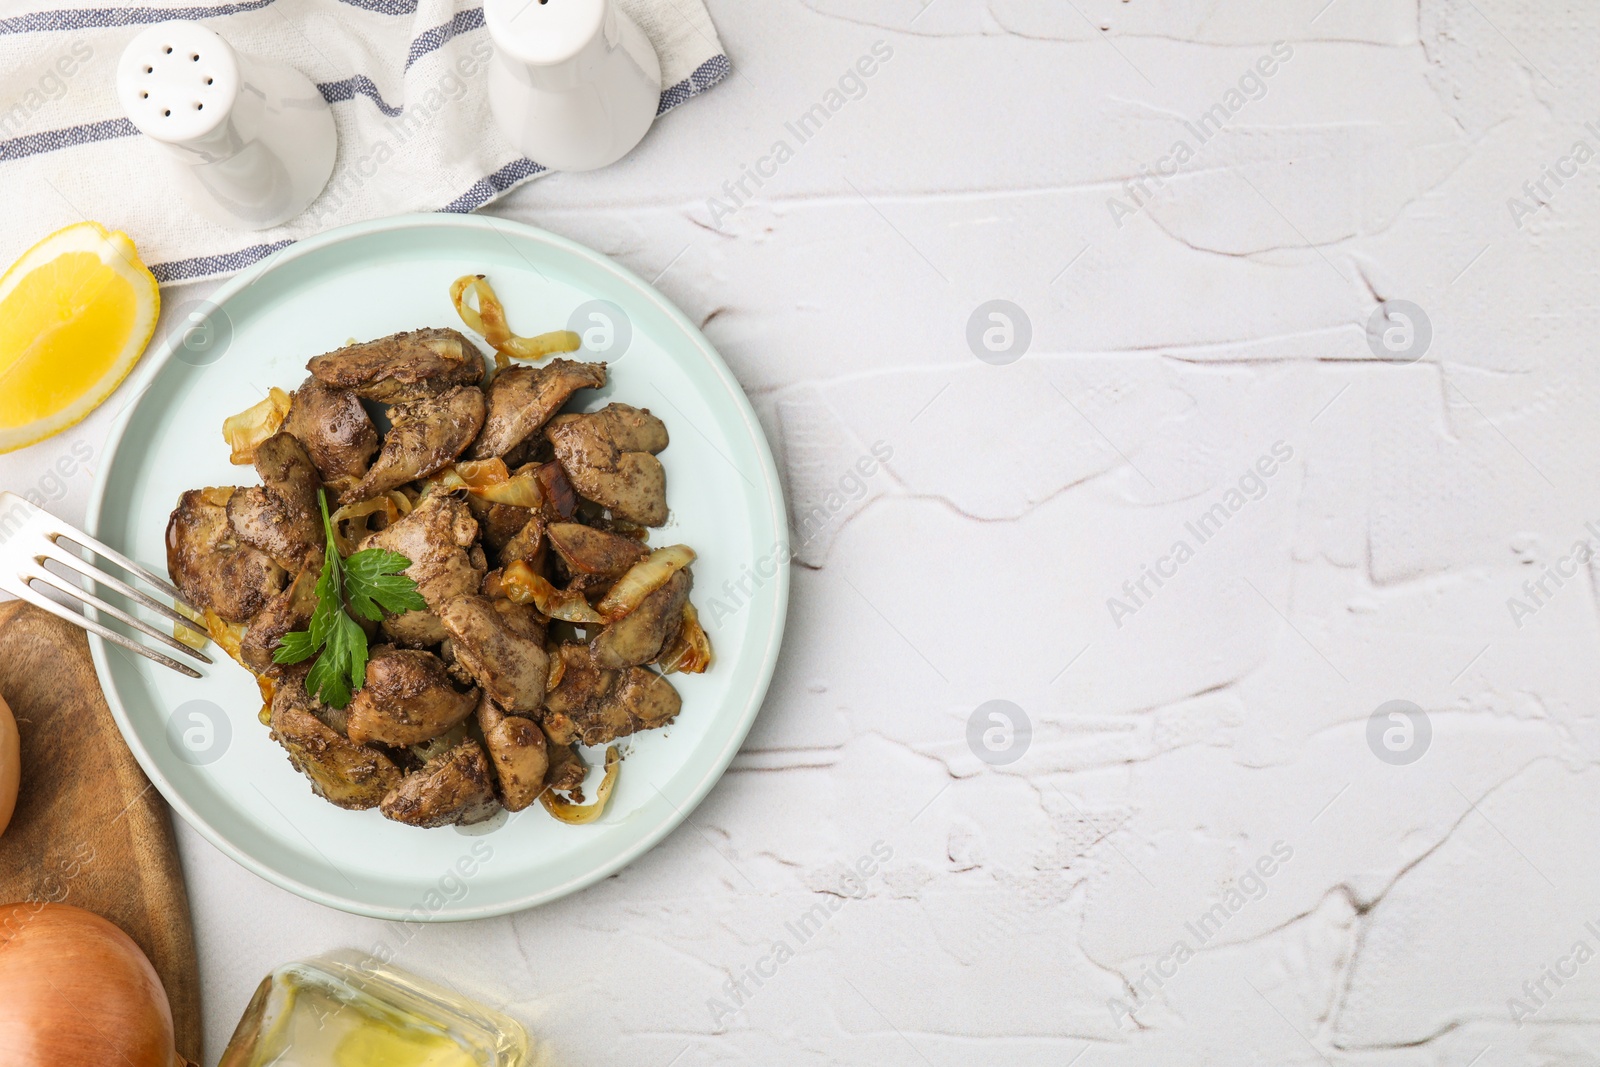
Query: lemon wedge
x,y
76,312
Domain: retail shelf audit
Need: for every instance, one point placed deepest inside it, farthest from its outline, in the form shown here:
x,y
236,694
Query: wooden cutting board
x,y
89,829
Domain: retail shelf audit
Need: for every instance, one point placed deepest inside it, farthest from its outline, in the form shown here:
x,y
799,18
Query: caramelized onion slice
x,y
520,584
642,579
245,431
269,689
542,346
353,522
521,489
186,634
690,651
229,636
490,481
446,741
577,814
481,473
488,320
444,481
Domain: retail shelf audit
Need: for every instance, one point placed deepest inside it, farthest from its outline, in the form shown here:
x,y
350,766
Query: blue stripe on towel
x,y
486,189
705,76
91,17
202,266
32,144
360,85
434,39
518,171
385,7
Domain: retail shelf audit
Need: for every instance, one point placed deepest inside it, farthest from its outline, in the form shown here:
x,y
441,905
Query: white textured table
x,y
1196,536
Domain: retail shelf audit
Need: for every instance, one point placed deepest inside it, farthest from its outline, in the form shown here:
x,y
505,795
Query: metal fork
x,y
29,536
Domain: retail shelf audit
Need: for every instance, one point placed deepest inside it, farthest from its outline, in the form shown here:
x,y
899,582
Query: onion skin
x,y
75,991
10,764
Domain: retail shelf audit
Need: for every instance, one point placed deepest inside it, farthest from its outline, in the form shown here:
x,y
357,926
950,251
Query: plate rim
x,y
153,364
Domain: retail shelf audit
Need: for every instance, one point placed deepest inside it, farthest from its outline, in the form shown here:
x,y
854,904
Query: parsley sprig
x,y
367,584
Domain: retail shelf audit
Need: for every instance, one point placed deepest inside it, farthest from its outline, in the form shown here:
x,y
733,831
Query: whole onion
x,y
75,991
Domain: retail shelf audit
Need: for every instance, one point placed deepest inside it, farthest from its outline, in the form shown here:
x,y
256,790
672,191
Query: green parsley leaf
x,y
373,580
368,583
295,647
342,667
326,682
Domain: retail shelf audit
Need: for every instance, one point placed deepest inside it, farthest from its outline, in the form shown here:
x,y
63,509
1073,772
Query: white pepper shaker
x,y
575,84
252,140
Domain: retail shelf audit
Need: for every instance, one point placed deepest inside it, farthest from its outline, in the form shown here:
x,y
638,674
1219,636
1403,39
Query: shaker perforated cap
x,y
177,81
544,32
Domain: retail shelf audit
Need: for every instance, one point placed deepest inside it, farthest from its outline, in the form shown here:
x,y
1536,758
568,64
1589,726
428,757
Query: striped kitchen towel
x,y
406,80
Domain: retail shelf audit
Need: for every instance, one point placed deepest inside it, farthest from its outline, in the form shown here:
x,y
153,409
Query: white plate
x,y
201,742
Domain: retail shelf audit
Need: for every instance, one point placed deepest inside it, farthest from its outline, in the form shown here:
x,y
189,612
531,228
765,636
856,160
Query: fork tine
x,y
60,585
60,611
27,524
102,549
77,563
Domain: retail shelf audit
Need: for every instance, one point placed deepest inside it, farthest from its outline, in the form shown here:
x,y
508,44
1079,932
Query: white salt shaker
x,y
252,140
575,84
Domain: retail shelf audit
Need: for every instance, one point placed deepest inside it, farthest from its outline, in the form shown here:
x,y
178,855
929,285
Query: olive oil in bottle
x,y
349,1010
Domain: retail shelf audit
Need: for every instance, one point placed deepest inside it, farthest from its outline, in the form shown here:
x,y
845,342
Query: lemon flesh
x,y
76,312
